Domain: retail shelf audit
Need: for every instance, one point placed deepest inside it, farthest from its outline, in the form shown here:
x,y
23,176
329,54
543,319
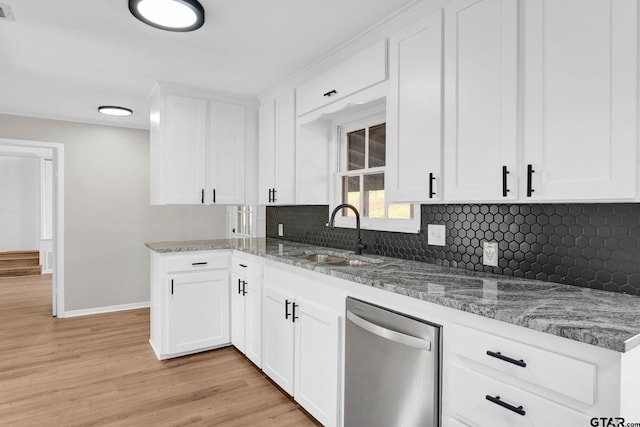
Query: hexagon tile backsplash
x,y
589,245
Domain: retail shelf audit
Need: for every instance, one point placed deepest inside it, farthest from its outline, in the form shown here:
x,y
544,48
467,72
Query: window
x,y
361,176
244,220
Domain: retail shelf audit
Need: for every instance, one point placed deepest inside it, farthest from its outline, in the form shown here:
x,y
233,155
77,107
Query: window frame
x,y
346,124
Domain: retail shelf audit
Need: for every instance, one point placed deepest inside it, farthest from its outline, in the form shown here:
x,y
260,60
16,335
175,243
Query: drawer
x,y
556,372
468,401
247,265
355,73
197,261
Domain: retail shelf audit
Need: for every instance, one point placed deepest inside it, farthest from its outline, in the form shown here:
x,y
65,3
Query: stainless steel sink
x,y
335,260
324,258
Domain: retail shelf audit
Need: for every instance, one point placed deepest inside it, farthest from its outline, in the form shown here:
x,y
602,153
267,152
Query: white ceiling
x,y
62,59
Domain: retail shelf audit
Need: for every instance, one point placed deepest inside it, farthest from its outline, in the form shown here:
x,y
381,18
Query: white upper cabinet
x,y
183,162
226,172
414,113
197,149
480,100
581,99
359,71
278,149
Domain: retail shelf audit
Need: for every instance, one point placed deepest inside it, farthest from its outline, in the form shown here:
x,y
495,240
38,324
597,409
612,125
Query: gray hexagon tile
x,y
588,245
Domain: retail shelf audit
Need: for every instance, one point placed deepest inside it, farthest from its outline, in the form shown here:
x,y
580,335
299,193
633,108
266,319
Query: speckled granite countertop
x,y
604,319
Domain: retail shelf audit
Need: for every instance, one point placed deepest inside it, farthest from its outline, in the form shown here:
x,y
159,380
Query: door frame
x,y
57,149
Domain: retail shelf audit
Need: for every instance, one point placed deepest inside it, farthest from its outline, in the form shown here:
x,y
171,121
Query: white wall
x,y
107,213
19,203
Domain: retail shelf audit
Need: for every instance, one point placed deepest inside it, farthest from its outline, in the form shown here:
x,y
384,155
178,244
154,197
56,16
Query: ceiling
x,y
62,59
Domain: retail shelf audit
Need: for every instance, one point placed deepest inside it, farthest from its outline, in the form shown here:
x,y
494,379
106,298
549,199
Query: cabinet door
x,y
238,313
226,171
480,99
267,150
581,98
277,333
317,361
185,150
285,134
414,122
253,322
198,310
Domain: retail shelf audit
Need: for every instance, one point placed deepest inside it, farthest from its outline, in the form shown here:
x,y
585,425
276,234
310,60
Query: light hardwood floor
x,y
100,370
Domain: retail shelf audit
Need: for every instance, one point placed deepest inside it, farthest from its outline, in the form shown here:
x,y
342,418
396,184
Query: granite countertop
x,y
604,319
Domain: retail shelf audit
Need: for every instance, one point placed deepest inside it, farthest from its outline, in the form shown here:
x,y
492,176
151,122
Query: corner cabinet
x,y
277,148
414,116
197,150
189,300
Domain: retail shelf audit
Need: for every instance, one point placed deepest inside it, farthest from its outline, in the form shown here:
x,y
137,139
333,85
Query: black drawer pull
x,y
501,356
331,93
202,197
294,317
199,263
243,265
244,287
518,410
171,286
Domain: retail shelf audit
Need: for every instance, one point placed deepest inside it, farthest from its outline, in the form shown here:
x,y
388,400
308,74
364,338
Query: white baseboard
x,y
108,309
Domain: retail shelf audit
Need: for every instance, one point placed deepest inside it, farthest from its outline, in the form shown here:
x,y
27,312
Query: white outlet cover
x,y
280,230
490,254
436,234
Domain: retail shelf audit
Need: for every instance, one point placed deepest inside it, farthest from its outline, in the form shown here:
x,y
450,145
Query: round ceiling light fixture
x,y
113,110
170,15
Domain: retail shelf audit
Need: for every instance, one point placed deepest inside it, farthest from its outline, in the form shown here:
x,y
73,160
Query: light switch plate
x,y
490,254
280,230
436,234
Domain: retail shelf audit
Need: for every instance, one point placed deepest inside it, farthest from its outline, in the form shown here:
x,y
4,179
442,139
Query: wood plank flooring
x,y
100,370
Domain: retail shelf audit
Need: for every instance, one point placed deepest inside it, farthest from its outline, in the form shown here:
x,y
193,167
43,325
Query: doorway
x,y
54,152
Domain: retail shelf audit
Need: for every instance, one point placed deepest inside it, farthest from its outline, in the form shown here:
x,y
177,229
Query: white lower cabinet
x,y
301,350
246,306
189,302
484,401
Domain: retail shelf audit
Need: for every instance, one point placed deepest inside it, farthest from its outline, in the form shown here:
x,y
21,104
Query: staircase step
x,y
20,271
19,259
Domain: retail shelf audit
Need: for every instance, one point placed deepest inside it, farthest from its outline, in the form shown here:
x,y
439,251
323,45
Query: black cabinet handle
x,y
431,179
518,410
199,263
501,356
244,287
171,286
214,195
274,196
243,265
202,197
331,93
530,172
239,290
286,308
270,195
505,190
294,317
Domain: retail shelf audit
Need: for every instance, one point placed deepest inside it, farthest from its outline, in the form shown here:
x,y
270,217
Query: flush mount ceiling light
x,y
170,15
113,110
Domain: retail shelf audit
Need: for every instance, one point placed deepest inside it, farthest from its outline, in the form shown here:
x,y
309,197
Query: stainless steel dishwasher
x,y
392,369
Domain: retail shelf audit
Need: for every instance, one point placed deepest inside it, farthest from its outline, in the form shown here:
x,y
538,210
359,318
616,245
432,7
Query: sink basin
x,y
338,261
325,259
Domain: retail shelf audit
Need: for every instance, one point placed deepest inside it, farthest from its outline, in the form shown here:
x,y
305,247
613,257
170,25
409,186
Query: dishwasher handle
x,y
389,334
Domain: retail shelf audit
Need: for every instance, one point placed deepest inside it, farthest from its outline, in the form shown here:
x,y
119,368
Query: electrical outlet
x,y
490,254
436,235
280,230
